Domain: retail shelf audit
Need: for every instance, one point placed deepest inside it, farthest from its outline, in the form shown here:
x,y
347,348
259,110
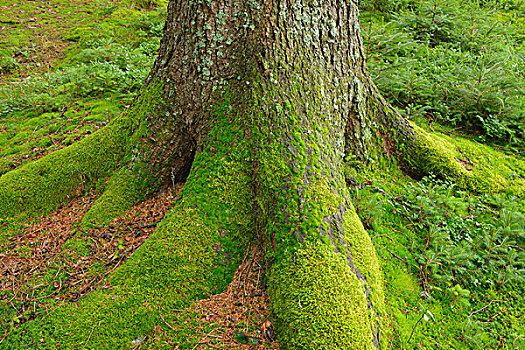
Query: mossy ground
x,y
102,53
33,33
36,37
428,238
65,261
162,276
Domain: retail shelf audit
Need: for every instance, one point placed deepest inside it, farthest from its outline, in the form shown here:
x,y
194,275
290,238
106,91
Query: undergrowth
x,y
458,63
97,80
454,262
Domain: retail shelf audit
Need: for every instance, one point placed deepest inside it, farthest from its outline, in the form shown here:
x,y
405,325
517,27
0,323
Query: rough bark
x,y
292,74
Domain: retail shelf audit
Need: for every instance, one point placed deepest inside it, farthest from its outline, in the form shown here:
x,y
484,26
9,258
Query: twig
x,y
34,301
139,344
514,341
14,307
53,292
496,315
20,227
249,336
208,342
398,257
258,276
486,306
47,311
204,342
243,261
414,329
6,335
167,324
151,224
248,267
90,335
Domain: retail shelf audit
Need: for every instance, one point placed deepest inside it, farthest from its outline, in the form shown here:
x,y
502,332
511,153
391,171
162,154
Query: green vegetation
x,y
105,64
74,170
454,261
458,63
452,252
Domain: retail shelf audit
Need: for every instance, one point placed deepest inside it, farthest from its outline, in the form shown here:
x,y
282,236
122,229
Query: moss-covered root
x,y
118,197
434,155
40,186
322,301
177,264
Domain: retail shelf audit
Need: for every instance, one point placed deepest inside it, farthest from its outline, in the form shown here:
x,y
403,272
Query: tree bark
x,y
291,74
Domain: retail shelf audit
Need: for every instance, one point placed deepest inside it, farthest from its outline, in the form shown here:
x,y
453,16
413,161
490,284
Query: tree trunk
x,y
263,101
291,75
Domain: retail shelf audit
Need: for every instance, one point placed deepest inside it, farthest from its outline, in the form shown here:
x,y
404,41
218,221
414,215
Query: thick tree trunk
x,y
291,74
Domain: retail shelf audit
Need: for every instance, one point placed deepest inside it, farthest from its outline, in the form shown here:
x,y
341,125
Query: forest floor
x,y
42,245
69,67
35,33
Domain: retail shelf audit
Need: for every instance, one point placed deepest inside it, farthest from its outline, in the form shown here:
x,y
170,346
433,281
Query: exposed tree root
x,y
118,197
324,277
434,155
39,187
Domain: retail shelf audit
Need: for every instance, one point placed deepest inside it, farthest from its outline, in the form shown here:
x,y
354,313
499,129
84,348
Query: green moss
x,y
149,3
119,196
77,245
122,12
365,258
40,186
434,155
327,198
506,170
471,165
319,302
